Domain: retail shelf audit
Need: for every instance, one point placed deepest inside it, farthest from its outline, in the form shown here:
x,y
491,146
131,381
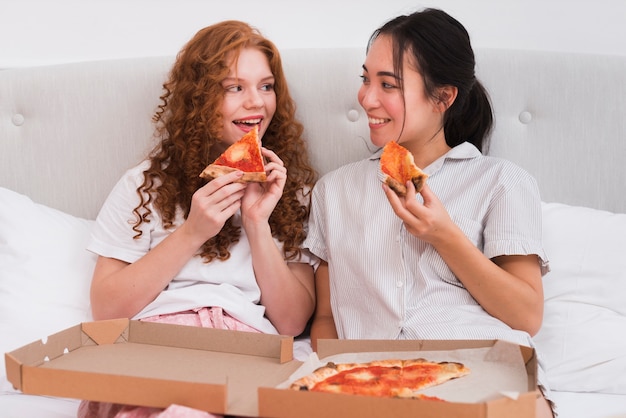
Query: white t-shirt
x,y
229,284
387,284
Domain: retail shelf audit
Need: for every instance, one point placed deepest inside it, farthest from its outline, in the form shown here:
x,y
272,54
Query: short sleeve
x,y
514,223
315,240
113,235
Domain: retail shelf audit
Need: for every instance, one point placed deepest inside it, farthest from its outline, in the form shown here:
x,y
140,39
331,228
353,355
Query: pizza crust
x,y
321,373
214,170
400,189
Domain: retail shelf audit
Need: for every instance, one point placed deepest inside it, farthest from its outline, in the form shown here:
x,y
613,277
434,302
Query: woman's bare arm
x,y
323,325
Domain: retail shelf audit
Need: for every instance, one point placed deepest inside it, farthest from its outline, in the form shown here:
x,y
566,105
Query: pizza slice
x,y
398,167
384,378
244,155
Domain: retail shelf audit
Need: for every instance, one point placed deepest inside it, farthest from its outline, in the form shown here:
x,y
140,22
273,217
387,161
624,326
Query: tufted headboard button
x,y
353,115
525,117
18,119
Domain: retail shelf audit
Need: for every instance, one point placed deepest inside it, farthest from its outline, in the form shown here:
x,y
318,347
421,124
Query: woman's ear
x,y
447,96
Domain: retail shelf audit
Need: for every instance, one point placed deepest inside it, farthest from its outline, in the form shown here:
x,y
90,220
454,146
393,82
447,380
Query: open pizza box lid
x,y
151,364
512,394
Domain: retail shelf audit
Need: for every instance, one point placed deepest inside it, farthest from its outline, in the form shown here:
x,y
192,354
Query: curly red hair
x,y
189,126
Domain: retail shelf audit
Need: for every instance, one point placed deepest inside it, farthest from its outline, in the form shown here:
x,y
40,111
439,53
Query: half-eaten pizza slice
x,y
244,155
384,378
398,167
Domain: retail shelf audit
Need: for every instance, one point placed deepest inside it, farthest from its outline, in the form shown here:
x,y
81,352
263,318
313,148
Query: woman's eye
x,y
267,87
388,86
364,79
233,88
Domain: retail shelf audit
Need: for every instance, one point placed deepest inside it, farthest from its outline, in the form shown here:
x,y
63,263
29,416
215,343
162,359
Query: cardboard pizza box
x,y
151,364
514,368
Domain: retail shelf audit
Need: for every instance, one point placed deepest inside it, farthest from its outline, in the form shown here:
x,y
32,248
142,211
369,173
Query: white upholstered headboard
x,y
562,116
68,131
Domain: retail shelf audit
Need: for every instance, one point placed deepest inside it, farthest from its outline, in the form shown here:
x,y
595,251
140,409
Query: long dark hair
x,y
443,55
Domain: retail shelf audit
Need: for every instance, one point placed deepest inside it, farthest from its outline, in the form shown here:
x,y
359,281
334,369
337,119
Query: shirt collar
x,y
462,151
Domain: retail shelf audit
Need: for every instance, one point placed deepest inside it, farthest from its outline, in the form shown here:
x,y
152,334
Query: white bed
x,y
68,131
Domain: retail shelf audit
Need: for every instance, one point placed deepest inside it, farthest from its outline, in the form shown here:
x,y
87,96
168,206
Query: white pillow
x,y
583,338
45,271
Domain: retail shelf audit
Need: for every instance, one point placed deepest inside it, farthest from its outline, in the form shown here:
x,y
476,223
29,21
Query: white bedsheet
x,y
18,405
570,405
589,405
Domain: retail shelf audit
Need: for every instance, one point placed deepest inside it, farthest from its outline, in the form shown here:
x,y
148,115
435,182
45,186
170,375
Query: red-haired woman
x,y
175,248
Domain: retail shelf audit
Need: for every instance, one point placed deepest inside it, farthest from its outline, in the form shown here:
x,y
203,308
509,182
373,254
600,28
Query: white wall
x,y
36,32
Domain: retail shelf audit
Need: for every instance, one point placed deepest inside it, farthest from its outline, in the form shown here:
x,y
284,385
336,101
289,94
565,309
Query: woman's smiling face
x,y
249,96
394,113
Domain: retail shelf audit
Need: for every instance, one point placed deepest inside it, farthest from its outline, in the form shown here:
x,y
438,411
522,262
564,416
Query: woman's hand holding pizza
x,y
429,221
260,199
213,204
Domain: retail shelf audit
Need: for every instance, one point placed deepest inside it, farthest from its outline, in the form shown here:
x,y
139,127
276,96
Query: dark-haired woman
x,y
462,259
